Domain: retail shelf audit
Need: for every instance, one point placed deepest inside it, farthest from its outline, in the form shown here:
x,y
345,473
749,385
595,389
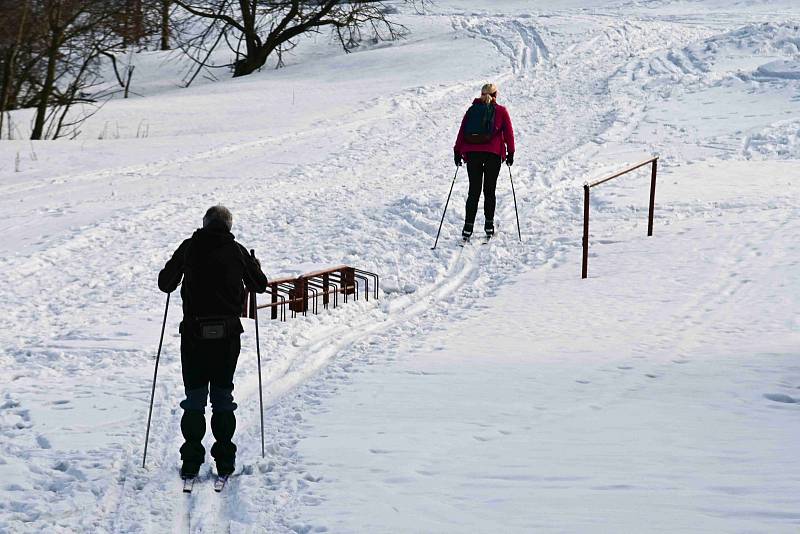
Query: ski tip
x,y
219,484
188,484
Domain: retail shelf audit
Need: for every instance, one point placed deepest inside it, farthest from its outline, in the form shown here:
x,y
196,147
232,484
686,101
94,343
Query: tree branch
x,y
210,15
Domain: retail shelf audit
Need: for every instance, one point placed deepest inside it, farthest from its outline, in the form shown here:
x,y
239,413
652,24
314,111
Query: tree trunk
x,y
137,24
5,90
254,56
165,5
132,23
10,68
251,63
47,87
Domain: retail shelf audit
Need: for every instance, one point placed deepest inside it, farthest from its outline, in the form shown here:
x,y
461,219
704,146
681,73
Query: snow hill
x,y
490,389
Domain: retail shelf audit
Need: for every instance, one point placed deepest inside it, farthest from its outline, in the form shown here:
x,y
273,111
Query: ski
x,y
188,484
464,242
219,483
486,240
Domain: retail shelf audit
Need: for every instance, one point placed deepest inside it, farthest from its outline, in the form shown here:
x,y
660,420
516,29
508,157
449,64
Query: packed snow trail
x,y
90,319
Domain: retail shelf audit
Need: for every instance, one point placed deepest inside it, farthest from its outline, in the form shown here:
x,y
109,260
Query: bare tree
x,y
51,51
164,20
74,34
129,22
11,36
138,22
256,29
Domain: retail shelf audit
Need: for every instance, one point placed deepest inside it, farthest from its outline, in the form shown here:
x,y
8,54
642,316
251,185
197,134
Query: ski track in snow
x,y
358,219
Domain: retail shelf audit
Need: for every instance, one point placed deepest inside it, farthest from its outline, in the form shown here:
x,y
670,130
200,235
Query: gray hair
x,y
219,214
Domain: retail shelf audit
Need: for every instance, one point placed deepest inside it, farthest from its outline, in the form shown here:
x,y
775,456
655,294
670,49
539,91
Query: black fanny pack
x,y
210,327
478,139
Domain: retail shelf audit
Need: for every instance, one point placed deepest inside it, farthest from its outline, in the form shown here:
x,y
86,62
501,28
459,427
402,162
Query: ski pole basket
x,y
303,293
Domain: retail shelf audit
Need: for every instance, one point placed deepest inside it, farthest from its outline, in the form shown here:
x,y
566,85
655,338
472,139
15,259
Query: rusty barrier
x,y
587,186
303,293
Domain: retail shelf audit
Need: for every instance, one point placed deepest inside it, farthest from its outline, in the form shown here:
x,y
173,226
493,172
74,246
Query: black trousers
x,y
208,367
483,169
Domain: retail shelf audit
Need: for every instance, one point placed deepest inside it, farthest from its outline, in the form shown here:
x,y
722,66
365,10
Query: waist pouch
x,y
477,139
219,327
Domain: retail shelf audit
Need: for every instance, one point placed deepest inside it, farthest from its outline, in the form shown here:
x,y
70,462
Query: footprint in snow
x,y
780,397
9,403
62,405
62,466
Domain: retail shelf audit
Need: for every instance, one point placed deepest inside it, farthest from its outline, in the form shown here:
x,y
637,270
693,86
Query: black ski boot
x,y
466,233
189,470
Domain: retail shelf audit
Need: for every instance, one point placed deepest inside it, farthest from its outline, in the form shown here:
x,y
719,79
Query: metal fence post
x,y
585,269
274,300
587,186
652,198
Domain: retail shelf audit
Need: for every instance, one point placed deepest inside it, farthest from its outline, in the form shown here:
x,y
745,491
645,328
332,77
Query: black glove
x,y
457,159
253,255
510,159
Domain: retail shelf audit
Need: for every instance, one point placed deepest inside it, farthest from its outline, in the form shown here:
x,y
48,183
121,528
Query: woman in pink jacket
x,y
485,140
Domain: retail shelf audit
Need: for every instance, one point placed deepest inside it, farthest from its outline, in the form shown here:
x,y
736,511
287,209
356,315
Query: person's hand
x,y
457,159
510,159
256,260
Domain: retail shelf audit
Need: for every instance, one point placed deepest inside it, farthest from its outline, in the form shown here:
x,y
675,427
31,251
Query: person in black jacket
x,y
213,266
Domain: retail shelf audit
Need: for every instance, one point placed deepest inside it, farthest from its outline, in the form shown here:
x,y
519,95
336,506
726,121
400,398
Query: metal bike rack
x,y
295,293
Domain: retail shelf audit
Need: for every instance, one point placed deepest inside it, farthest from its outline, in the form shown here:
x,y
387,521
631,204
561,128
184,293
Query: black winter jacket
x,y
213,266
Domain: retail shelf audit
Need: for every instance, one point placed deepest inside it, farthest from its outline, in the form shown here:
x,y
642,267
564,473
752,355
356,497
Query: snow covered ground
x,y
490,388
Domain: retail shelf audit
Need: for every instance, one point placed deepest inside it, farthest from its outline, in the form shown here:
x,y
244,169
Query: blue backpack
x,y
479,126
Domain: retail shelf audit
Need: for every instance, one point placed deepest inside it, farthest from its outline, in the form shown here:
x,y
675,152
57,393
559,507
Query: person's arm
x,y
254,277
460,137
508,133
172,273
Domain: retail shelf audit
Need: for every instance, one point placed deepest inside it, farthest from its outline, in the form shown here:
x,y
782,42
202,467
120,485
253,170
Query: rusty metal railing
x,y
587,186
302,294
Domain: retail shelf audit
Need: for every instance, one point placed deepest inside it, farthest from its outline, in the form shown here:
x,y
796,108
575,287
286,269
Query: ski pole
x,y
155,374
445,209
515,202
258,356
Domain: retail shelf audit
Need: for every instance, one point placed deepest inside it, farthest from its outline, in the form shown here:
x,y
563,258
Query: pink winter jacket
x,y
502,138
